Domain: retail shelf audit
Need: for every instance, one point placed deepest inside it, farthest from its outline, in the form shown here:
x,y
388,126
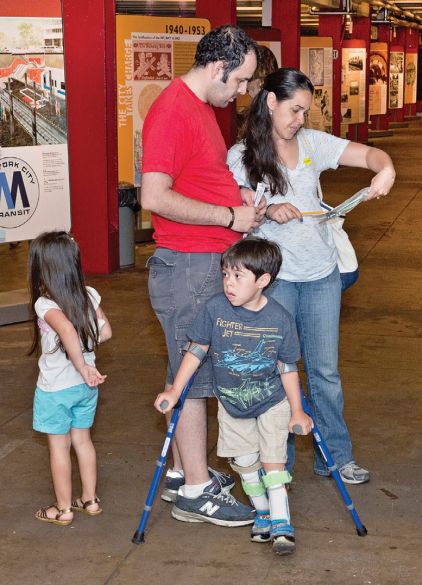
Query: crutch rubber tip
x,y
297,429
138,537
163,404
362,531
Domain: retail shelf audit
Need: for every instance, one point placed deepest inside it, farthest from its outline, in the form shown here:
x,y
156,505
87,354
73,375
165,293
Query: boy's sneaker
x,y
213,506
352,473
282,536
261,527
172,484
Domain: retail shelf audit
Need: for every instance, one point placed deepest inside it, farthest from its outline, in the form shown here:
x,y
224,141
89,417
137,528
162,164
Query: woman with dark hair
x,y
288,159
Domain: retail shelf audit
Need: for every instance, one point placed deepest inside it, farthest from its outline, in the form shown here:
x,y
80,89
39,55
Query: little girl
x,y
68,324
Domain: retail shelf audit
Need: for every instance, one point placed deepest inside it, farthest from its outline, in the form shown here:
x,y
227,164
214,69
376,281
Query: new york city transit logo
x,y
19,192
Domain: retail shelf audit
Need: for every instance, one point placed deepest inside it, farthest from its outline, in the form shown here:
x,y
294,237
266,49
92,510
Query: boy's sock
x,y
193,491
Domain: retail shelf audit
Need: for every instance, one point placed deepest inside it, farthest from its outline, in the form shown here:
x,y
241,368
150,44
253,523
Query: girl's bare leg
x,y
87,460
61,472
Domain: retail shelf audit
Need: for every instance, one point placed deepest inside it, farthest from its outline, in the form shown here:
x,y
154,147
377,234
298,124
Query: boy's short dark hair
x,y
255,254
227,43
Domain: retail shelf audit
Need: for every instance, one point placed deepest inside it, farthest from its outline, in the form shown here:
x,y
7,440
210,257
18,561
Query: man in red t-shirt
x,y
197,212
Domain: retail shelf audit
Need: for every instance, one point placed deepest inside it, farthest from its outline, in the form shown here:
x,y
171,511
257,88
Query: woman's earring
x,y
271,113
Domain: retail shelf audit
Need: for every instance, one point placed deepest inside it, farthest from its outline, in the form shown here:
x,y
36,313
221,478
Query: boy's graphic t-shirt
x,y
244,348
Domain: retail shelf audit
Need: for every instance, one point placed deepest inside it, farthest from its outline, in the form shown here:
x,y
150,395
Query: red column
x,y
286,18
220,12
332,26
90,62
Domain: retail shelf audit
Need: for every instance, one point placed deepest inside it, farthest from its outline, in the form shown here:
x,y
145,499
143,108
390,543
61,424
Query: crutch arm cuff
x,y
195,350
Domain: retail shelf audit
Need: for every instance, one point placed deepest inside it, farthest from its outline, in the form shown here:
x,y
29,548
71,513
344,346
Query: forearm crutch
x,y
139,537
332,467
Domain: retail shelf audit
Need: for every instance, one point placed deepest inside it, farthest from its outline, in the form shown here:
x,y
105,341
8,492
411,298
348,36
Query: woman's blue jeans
x,y
316,308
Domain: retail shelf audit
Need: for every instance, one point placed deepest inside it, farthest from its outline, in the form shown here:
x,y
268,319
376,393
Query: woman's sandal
x,y
41,515
79,506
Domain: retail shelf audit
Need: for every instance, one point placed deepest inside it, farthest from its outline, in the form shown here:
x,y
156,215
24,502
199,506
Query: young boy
x,y
254,349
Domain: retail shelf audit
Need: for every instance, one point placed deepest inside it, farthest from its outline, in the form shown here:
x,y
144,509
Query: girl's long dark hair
x,y
55,272
260,156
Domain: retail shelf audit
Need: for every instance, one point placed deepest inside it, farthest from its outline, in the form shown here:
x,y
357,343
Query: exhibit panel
x,y
151,52
396,86
316,61
378,79
34,176
353,82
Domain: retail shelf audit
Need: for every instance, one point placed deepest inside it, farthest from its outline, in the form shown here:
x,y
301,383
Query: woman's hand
x,y
381,184
282,212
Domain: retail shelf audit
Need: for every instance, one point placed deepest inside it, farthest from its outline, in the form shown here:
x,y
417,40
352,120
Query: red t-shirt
x,y
182,139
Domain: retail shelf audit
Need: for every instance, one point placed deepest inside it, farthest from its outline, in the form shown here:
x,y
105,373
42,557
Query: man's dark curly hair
x,y
227,43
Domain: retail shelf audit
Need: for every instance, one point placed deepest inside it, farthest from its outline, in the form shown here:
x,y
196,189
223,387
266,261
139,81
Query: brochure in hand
x,y
340,210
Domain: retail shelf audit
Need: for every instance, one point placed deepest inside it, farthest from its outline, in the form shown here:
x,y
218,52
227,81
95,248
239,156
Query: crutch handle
x,y
164,404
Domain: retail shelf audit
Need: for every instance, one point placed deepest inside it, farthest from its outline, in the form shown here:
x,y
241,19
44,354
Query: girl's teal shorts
x,y
56,413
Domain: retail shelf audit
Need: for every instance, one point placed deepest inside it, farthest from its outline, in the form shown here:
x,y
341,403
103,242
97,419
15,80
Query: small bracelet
x,y
232,217
266,211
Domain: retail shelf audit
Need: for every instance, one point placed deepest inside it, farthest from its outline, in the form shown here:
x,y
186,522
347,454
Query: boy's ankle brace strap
x,y
253,489
276,479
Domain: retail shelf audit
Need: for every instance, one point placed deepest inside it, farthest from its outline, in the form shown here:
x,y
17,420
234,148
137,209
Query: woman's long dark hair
x,y
260,156
55,272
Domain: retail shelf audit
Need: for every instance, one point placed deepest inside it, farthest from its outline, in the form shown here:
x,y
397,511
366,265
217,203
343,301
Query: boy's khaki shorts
x,y
267,434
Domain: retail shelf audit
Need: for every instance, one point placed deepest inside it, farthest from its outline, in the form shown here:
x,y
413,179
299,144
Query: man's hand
x,y
246,218
256,218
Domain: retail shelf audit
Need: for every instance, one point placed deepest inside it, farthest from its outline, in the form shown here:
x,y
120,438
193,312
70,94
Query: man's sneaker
x,y
172,484
352,473
213,506
282,536
261,528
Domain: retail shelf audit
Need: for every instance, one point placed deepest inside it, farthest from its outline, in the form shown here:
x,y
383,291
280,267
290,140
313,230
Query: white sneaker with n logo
x,y
213,506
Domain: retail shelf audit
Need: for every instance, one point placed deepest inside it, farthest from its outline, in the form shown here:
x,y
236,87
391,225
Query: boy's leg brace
x,y
275,481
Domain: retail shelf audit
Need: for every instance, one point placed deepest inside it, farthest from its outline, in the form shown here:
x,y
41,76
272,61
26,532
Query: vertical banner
x,y
396,87
410,77
316,61
151,51
353,82
34,179
378,79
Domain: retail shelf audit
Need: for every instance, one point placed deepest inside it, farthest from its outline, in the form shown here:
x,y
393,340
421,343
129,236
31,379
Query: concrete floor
x,y
380,349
